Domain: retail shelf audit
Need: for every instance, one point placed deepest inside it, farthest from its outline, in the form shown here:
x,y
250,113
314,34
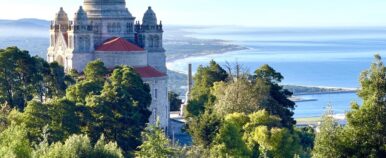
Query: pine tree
x,y
155,144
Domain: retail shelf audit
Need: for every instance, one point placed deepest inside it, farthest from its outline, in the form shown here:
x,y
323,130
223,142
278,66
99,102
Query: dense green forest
x,y
46,112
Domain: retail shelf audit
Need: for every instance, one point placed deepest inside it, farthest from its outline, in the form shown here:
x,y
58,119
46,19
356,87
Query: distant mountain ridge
x,y
28,22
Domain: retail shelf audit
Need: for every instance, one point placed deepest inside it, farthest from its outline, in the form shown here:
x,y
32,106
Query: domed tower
x,y
81,32
58,38
109,18
80,41
61,20
149,18
59,24
149,36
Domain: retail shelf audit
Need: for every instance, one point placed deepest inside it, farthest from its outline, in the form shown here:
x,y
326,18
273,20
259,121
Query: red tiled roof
x,y
148,72
118,44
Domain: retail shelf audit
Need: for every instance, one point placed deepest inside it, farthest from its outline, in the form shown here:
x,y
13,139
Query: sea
x,y
327,57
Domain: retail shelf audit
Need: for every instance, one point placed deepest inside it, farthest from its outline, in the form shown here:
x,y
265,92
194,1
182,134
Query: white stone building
x,y
106,30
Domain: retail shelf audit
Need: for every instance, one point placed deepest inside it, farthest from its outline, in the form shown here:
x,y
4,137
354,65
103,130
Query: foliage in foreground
x,y
365,132
175,102
156,144
78,146
35,100
14,143
243,115
254,135
23,78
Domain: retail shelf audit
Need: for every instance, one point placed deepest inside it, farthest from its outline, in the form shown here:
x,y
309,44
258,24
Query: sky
x,y
225,12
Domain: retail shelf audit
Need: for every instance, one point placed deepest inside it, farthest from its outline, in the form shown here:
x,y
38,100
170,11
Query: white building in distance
x,y
106,30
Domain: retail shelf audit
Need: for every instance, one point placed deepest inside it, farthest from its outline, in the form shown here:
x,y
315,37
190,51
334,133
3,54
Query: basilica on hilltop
x,y
106,30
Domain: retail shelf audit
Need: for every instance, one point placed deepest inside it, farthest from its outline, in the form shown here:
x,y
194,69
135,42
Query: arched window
x,y
150,41
156,41
80,44
109,27
114,27
119,29
141,39
87,43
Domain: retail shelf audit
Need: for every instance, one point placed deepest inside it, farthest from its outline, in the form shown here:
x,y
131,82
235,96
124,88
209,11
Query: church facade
x,y
106,30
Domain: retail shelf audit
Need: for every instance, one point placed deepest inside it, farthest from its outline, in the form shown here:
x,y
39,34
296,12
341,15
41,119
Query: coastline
x,y
218,47
315,121
226,48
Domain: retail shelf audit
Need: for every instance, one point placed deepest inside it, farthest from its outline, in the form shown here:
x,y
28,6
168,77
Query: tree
x,y
78,146
276,142
328,141
204,128
4,112
278,103
229,140
83,89
59,116
366,125
95,70
175,102
18,77
22,78
265,136
55,81
35,117
204,79
14,142
51,79
64,120
95,74
307,138
254,135
155,144
238,96
120,112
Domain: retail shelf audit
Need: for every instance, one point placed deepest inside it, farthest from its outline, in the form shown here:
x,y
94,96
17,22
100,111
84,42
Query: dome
x,y
149,18
80,15
61,17
106,8
104,2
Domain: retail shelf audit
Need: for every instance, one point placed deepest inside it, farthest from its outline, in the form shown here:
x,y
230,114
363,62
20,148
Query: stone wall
x,y
157,60
160,104
112,59
78,61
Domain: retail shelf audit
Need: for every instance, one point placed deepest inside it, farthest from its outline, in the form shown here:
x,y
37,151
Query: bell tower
x,y
58,38
149,36
80,41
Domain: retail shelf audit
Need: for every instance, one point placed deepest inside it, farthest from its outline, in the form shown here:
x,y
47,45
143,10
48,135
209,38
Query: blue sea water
x,y
332,57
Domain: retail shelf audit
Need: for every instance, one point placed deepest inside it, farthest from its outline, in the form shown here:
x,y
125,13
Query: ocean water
x,y
332,57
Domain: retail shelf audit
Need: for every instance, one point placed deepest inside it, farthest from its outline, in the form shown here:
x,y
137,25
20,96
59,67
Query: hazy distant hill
x,y
24,28
30,23
28,34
